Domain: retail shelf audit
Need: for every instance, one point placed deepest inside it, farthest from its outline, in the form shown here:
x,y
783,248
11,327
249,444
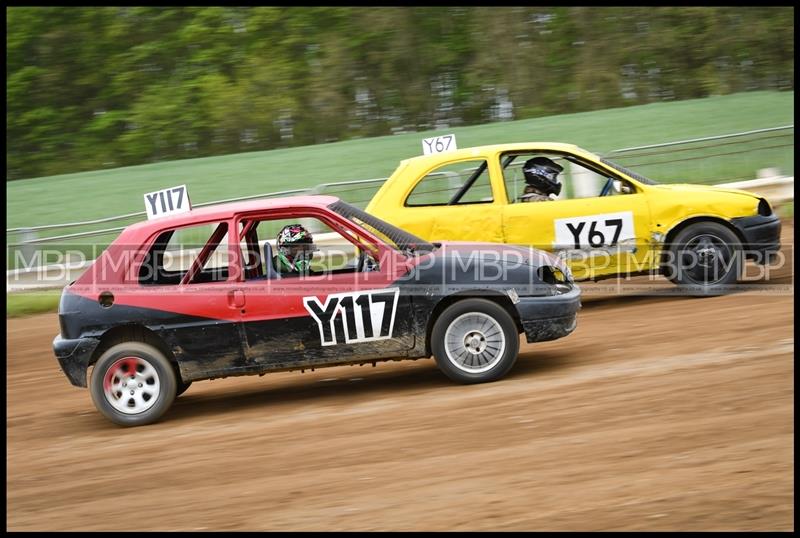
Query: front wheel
x,y
133,384
704,258
475,341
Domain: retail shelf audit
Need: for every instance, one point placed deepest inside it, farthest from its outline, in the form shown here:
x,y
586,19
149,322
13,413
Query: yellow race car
x,y
605,221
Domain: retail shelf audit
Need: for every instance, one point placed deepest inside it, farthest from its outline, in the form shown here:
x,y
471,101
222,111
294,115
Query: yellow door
x,y
597,235
453,202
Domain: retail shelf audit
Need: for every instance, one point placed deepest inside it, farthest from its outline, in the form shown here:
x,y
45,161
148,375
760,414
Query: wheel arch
x,y
136,333
682,225
504,301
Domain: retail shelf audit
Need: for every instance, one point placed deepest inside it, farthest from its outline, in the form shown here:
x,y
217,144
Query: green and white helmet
x,y
295,248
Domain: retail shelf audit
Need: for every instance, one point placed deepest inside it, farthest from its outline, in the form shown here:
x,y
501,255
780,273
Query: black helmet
x,y
542,174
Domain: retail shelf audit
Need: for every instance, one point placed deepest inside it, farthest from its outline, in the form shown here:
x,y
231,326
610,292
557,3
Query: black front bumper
x,y
549,318
74,356
762,236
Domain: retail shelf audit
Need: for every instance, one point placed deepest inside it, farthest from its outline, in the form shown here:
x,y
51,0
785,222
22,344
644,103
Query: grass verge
x,y
31,302
103,193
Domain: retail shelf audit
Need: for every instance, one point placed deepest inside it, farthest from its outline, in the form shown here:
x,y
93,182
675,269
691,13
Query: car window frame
x,y
205,253
147,245
330,219
487,170
589,165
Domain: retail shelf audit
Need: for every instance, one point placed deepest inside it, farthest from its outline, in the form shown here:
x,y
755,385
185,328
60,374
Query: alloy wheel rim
x,y
131,385
474,342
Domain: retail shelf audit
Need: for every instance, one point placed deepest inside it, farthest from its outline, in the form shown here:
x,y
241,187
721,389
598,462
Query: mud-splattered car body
x,y
242,318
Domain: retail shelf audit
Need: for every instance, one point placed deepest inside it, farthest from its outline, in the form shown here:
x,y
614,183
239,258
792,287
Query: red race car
x,y
304,282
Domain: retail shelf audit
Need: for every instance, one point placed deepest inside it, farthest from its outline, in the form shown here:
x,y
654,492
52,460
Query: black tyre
x,y
704,258
475,341
133,384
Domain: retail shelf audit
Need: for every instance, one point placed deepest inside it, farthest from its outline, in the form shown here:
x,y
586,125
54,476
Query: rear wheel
x,y
133,384
475,341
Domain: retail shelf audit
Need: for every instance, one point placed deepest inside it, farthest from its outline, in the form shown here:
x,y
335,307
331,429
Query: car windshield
x,y
393,236
628,172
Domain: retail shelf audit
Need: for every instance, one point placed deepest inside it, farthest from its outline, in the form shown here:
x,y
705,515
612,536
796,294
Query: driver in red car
x,y
295,250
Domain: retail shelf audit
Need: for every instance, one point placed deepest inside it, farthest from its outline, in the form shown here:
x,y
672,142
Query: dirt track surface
x,y
657,413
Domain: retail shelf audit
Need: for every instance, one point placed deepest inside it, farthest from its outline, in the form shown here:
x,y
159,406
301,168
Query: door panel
x,y
316,319
598,236
189,282
456,201
212,336
473,222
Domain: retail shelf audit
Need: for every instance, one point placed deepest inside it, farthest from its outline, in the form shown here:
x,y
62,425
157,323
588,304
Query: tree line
x,y
102,87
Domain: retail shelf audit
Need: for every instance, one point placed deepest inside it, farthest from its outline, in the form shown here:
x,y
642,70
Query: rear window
x,y
174,252
464,182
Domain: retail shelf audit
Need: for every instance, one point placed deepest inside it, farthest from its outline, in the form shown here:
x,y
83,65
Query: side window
x,y
465,182
586,183
577,180
309,247
176,251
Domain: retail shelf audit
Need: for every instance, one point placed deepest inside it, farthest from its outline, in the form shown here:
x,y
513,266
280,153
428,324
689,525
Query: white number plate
x,y
167,202
439,144
594,231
